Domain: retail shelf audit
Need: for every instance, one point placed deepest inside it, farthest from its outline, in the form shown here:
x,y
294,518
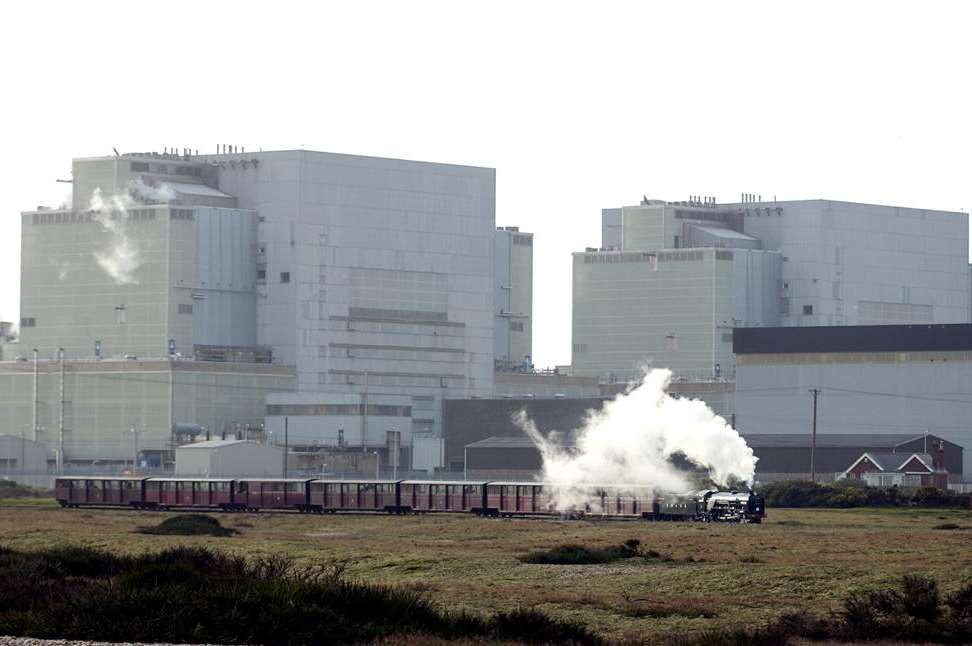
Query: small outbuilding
x,y
229,459
897,469
24,461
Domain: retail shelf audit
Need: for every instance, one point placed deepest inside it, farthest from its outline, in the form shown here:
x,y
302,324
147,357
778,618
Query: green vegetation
x,y
189,525
806,560
844,494
192,594
914,612
580,555
10,489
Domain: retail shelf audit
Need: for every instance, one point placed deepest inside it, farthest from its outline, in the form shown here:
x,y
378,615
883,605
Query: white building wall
x,y
353,232
513,328
865,264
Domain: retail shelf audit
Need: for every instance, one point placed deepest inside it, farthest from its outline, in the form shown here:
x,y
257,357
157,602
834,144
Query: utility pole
x,y
814,392
286,442
377,465
364,414
34,411
60,418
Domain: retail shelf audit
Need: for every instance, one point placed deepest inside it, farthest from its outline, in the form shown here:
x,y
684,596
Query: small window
x,y
140,167
516,326
28,322
121,314
285,277
808,309
261,274
185,309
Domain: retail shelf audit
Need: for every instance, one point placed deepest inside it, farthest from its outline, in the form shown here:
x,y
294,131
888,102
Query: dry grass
x,y
741,575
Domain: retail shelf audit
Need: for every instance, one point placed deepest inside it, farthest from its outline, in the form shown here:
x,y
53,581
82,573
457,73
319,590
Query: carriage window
x,y
129,484
345,488
168,486
493,489
386,488
275,486
295,487
367,488
470,488
438,489
241,487
94,484
509,490
422,488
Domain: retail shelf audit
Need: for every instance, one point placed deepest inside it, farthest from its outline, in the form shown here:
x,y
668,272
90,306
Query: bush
x,y
193,595
848,493
580,555
189,525
10,489
913,612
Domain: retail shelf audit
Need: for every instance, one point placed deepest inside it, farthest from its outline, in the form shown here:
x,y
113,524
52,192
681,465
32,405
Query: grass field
x,y
718,575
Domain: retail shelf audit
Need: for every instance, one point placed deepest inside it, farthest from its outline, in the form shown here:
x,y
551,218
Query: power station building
x,y
672,279
348,295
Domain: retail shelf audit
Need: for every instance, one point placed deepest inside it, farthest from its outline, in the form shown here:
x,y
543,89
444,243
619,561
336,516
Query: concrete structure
x,y
833,263
520,385
674,309
104,412
372,277
848,263
903,379
24,461
513,328
378,285
229,459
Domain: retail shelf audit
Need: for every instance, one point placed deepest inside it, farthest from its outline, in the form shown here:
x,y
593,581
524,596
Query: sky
x,y
578,106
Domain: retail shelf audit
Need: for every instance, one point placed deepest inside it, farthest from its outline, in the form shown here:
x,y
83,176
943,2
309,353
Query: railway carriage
x,y
169,493
261,493
424,496
72,492
353,495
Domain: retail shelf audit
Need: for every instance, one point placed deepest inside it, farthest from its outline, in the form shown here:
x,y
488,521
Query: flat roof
x,y
853,338
836,440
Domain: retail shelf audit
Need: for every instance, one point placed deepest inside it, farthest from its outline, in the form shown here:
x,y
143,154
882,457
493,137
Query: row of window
x,y
378,410
516,326
163,169
526,241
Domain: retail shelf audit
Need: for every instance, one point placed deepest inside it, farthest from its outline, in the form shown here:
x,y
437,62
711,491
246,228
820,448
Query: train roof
x,y
89,477
190,479
339,481
445,482
273,479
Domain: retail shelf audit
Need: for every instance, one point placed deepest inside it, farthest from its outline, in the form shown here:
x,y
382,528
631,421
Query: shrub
x,y
193,595
189,525
579,555
849,493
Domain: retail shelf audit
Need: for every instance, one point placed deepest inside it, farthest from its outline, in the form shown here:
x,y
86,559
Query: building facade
x,y
796,263
912,379
513,327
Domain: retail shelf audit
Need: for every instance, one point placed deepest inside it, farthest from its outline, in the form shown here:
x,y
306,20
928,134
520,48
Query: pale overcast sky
x,y
577,106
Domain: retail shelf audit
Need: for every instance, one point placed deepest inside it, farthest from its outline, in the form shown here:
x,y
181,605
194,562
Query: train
x,y
309,495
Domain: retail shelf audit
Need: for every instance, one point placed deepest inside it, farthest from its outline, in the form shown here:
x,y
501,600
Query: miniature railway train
x,y
405,496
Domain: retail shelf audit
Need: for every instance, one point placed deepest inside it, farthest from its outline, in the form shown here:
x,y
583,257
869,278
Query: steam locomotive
x,y
408,496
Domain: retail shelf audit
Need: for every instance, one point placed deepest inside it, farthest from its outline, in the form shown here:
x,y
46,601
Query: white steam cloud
x,y
122,258
632,439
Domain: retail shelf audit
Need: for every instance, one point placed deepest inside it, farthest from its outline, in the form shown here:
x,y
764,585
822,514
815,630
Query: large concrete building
x,y
367,283
913,379
513,328
793,263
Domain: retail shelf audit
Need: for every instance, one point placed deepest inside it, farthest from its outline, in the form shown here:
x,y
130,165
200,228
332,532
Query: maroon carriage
x,y
441,496
253,493
353,495
168,493
72,492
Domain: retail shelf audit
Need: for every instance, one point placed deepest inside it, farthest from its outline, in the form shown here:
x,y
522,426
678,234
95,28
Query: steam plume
x,y
122,258
632,439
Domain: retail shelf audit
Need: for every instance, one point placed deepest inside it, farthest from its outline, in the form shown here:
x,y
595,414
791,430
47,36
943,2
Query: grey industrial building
x,y
672,279
781,456
901,379
513,331
348,294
